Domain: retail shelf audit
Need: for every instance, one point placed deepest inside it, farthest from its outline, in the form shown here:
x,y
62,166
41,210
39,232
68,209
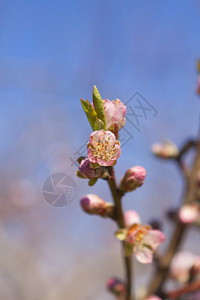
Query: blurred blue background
x,y
51,55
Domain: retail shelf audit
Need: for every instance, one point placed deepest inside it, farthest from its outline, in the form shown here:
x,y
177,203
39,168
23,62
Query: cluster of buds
x,y
95,205
189,213
106,119
165,150
184,265
133,178
139,239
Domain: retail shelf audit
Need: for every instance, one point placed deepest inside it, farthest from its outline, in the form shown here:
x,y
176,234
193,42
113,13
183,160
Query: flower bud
x,y
153,297
86,172
131,217
198,86
165,150
156,224
133,178
189,213
94,205
114,114
116,286
183,265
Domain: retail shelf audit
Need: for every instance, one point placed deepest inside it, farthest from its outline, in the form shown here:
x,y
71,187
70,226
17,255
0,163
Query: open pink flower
x,y
103,148
143,241
189,213
114,114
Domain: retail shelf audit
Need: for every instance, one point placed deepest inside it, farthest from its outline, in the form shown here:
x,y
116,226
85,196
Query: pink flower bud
x,y
189,213
198,86
114,114
86,172
133,178
153,297
131,217
116,286
93,204
103,148
165,150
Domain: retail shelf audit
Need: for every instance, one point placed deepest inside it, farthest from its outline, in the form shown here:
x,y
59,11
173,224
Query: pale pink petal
x,y
143,254
91,156
131,217
154,238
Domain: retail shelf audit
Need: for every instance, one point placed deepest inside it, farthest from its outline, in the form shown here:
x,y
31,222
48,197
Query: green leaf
x,y
98,105
121,234
90,112
92,181
79,175
98,124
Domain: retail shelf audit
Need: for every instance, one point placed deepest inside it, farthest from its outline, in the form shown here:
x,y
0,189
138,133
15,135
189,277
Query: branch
x,y
191,194
191,287
117,195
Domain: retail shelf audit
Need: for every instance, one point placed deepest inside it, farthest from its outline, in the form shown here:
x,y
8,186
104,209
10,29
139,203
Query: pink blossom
x,y
93,204
165,150
189,213
103,148
114,114
133,178
182,264
198,86
144,241
131,217
116,286
86,172
153,297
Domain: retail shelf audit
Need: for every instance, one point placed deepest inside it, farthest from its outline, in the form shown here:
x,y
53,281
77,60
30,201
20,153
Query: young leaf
x,y
98,124
121,234
92,181
98,105
90,112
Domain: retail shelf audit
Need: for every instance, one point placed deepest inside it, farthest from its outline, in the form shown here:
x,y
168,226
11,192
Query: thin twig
x,y
191,194
120,221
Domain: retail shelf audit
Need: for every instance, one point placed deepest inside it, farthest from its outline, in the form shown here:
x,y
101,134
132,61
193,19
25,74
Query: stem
x,y
117,195
191,194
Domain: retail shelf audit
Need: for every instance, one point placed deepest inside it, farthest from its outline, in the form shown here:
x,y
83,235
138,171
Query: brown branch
x,y
191,194
191,287
119,218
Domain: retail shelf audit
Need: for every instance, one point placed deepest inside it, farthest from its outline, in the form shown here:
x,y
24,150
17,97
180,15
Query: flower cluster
x,y
103,150
106,118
